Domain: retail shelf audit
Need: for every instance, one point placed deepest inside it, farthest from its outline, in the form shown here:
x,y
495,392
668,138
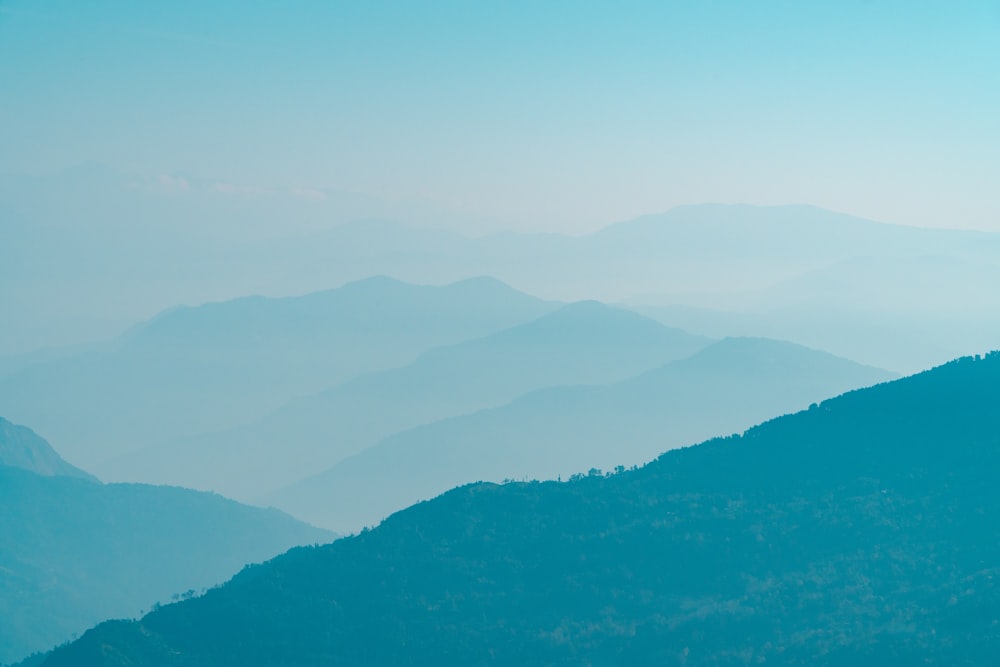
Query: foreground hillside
x,y
74,551
861,531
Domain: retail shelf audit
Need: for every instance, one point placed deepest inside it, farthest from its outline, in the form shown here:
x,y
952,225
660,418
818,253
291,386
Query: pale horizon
x,y
560,119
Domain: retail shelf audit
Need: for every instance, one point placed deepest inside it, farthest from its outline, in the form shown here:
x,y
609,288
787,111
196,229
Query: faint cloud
x,y
235,190
168,183
309,193
163,184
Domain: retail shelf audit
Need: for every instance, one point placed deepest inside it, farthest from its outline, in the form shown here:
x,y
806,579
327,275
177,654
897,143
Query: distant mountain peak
x,y
591,320
752,352
793,219
20,447
587,307
758,345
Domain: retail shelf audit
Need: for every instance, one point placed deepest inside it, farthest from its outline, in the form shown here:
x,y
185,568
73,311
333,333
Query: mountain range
x,y
862,530
559,431
212,367
67,248
581,343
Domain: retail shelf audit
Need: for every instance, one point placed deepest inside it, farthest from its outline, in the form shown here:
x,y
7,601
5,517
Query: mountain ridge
x,y
579,343
76,551
223,364
727,386
853,531
20,447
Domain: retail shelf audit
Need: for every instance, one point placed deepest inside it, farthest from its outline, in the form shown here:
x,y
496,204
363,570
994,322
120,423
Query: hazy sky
x,y
563,117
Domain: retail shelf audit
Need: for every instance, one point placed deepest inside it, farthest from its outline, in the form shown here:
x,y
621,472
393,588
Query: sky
x,y
557,116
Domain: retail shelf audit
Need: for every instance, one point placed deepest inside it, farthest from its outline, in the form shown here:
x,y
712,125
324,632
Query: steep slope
x,y
20,447
581,343
75,551
192,370
724,388
861,531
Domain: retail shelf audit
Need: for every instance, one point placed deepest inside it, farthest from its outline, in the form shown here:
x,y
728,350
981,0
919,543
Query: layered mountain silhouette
x,y
860,531
920,315
192,370
100,266
582,343
92,250
724,388
75,551
20,447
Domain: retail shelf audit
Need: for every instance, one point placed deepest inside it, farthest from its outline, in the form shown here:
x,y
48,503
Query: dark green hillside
x,y
865,530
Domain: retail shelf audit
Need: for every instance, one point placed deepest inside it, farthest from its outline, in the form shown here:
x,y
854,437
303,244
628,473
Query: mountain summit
x,y
20,447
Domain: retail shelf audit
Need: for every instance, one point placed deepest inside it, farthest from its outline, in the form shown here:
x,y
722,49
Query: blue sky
x,y
559,117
